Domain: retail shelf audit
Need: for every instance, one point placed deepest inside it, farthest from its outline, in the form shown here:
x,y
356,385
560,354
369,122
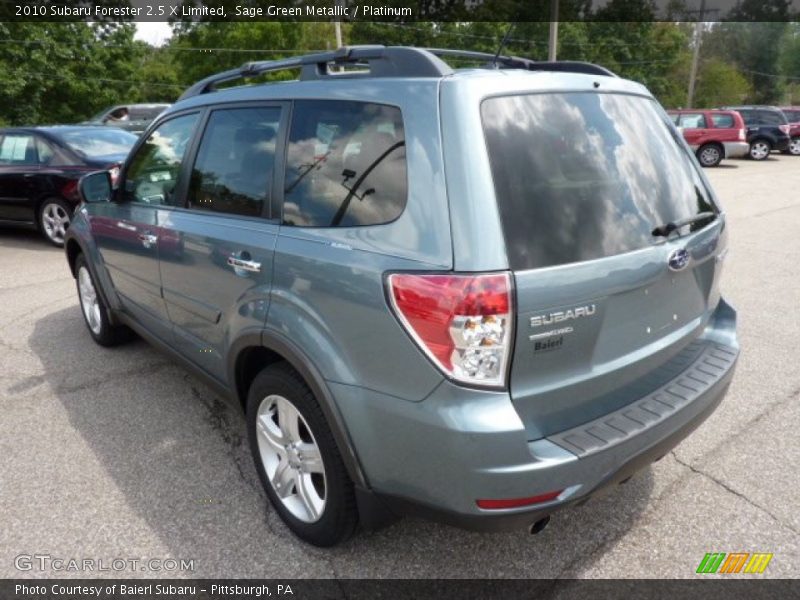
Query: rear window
x,y
581,176
792,115
722,121
772,117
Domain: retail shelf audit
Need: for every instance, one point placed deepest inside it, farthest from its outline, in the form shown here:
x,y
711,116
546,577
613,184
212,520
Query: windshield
x,y
580,176
98,143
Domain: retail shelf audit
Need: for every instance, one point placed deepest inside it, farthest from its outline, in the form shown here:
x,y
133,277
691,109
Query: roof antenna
x,y
503,44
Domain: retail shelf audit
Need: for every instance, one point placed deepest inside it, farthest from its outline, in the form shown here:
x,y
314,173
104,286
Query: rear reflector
x,y
517,502
462,322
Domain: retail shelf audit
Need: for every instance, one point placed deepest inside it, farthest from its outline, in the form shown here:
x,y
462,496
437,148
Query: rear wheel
x,y
794,146
760,149
297,458
54,219
709,155
95,312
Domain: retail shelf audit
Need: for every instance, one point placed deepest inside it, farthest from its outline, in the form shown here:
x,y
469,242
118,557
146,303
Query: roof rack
x,y
383,61
517,62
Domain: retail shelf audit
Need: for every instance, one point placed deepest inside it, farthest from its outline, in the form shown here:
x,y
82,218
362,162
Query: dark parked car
x,y
40,168
130,117
793,115
767,129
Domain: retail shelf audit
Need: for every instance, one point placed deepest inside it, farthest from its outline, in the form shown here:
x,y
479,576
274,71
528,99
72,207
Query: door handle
x,y
148,239
244,265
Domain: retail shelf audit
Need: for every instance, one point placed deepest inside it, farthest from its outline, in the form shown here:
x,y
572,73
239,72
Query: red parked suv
x,y
712,134
793,114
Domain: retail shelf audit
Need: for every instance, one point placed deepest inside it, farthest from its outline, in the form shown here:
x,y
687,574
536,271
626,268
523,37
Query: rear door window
x,y
582,176
18,150
722,121
346,164
233,172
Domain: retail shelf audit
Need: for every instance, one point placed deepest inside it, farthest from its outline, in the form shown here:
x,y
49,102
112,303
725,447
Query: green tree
x,y
720,83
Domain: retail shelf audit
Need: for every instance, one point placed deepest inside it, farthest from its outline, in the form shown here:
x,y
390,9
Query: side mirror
x,y
95,187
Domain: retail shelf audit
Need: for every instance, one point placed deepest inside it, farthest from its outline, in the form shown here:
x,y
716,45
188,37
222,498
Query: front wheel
x,y
297,458
760,149
709,155
54,219
95,312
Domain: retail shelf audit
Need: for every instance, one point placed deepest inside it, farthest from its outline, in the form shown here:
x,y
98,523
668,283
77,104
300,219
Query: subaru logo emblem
x,y
678,260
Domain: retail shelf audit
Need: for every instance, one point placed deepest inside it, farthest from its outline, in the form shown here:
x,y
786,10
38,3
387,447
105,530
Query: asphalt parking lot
x,y
121,453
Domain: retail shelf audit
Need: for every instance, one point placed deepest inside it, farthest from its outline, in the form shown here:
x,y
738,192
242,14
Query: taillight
x,y
784,128
742,135
462,322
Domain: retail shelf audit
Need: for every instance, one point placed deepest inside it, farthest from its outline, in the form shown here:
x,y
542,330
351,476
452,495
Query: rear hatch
x,y
604,307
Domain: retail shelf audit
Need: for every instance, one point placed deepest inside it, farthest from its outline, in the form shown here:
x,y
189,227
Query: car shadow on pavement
x,y
13,238
178,455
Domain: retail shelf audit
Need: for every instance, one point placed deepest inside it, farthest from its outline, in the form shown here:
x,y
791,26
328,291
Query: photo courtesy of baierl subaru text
x,y
399,299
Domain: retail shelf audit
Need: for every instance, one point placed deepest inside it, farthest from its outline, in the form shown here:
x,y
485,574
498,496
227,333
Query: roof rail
x,y
517,62
382,61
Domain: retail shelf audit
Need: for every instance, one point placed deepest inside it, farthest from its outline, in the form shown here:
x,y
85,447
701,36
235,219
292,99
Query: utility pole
x,y
337,27
552,46
698,40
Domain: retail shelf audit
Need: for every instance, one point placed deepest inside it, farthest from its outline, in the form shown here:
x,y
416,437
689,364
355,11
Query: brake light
x,y
462,322
742,135
517,502
784,128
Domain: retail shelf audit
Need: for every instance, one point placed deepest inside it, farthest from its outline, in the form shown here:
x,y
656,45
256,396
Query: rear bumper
x,y
782,144
736,149
435,458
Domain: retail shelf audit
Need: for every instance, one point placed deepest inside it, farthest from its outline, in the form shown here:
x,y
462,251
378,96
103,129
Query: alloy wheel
x,y
90,303
291,457
55,221
759,150
710,156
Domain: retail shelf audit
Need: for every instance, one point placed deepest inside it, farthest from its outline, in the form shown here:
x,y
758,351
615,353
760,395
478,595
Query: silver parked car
x,y
477,295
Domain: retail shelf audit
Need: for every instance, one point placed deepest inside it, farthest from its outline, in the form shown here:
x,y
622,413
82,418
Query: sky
x,y
156,33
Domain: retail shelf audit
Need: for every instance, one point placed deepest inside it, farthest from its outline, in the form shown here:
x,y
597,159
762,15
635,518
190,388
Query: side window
x,y
769,117
693,121
722,121
233,172
18,150
51,156
346,164
152,174
749,117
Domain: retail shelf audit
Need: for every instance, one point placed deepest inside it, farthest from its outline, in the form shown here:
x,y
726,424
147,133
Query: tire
x,y
794,147
760,149
94,309
297,458
710,155
54,218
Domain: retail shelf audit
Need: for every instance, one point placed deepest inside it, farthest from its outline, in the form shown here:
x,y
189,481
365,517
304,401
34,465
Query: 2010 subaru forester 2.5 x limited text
x,y
477,295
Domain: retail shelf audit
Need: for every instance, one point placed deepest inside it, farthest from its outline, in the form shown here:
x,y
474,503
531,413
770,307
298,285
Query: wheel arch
x,y
255,350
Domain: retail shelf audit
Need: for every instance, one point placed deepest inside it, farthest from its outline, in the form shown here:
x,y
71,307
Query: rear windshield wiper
x,y
668,228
